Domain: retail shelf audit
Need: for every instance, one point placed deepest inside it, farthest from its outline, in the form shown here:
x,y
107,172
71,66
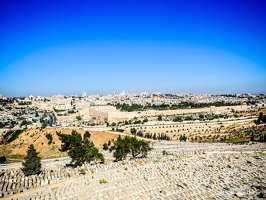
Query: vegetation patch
x,y
49,138
80,149
82,171
8,134
14,136
129,145
101,181
2,159
238,140
15,157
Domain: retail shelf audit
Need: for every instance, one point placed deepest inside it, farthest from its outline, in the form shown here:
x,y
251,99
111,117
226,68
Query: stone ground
x,y
188,171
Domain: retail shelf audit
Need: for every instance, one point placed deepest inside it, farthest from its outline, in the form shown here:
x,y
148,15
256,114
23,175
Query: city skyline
x,y
203,47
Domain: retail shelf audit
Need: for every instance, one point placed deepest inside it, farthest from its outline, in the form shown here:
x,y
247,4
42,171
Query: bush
x,y
2,159
82,171
105,146
14,136
133,131
101,181
49,138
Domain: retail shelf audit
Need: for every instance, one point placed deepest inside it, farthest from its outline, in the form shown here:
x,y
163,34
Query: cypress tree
x,y
252,138
32,164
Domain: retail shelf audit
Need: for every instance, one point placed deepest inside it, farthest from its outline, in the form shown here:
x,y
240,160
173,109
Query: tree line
x,y
82,150
182,105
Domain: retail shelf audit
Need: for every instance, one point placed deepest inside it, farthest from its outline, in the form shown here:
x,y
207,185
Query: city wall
x,y
122,116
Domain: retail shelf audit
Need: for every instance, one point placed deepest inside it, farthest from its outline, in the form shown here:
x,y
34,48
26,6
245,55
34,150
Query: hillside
x,y
17,149
262,110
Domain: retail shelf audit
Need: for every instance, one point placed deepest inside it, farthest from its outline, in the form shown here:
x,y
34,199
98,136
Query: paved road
x,y
51,120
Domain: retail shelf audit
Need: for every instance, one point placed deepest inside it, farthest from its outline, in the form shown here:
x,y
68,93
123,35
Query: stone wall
x,y
115,116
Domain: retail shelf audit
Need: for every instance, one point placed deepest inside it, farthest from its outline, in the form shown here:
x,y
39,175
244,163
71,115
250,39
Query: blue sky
x,y
67,47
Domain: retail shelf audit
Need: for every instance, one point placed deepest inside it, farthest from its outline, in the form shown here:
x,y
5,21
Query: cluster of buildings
x,y
98,109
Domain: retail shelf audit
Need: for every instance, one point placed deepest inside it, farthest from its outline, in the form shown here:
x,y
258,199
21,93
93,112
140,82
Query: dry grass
x,y
19,147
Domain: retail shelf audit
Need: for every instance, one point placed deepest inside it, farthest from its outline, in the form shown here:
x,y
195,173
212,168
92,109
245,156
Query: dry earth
x,y
18,148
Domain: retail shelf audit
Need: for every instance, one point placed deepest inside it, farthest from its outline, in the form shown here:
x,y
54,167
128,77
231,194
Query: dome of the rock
x,y
154,99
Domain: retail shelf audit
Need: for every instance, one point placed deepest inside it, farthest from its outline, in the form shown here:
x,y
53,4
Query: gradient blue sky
x,y
181,46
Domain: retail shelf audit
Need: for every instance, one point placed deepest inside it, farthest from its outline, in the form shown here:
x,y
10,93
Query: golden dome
x,y
154,99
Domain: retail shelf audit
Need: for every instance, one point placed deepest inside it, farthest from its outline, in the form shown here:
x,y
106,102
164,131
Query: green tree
x,y
183,138
177,119
188,118
133,131
122,147
160,118
32,164
2,159
252,138
145,120
49,137
87,134
261,138
105,146
201,116
80,150
78,118
113,124
23,123
260,116
261,119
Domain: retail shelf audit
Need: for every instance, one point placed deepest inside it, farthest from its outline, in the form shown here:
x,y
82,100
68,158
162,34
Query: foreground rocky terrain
x,y
171,171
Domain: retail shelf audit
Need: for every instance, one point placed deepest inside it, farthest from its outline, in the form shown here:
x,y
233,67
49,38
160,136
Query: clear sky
x,y
180,46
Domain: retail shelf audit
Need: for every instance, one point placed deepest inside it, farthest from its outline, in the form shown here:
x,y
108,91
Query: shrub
x,y
101,181
2,159
14,136
49,138
82,171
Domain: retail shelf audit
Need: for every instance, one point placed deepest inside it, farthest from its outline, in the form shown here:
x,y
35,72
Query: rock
x,y
240,194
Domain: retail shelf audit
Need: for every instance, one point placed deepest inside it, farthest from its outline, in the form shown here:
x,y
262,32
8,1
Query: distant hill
x,y
15,147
